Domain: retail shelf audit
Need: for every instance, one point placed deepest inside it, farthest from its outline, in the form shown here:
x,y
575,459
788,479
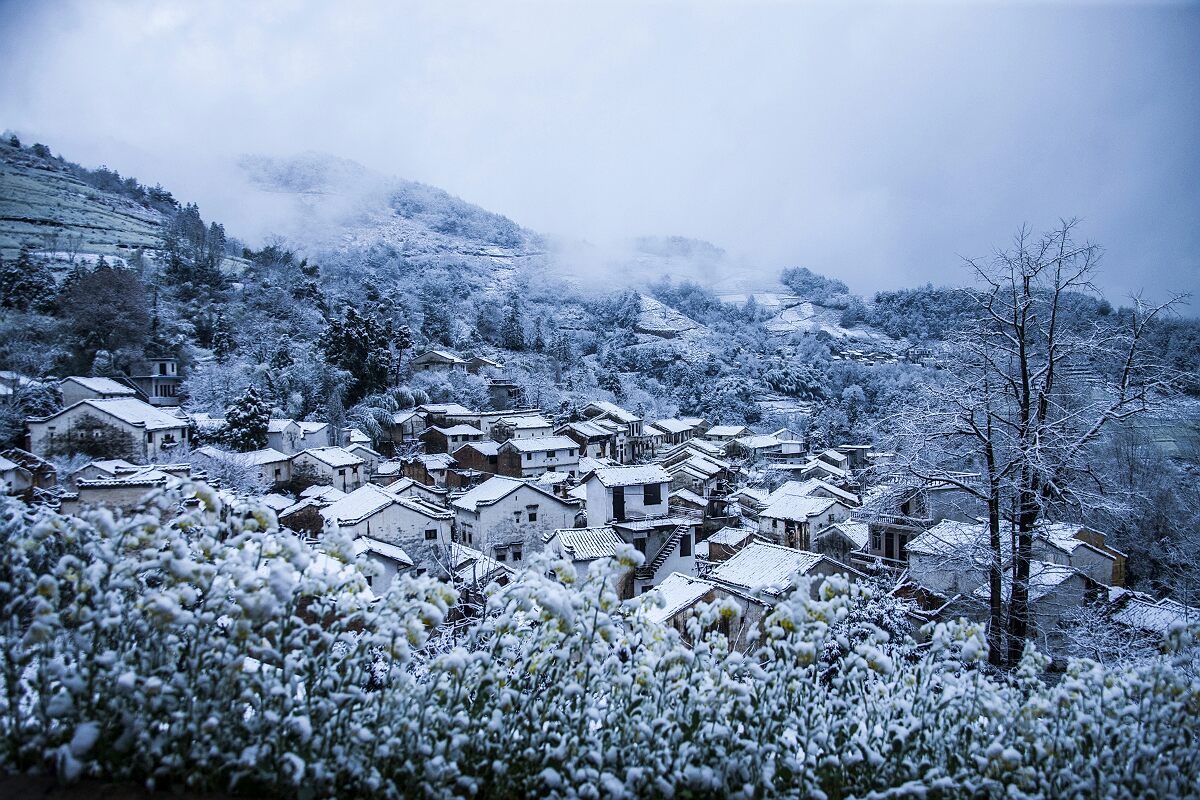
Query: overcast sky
x,y
872,143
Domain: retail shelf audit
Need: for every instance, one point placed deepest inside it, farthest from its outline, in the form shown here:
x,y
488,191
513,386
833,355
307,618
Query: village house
x,y
582,546
443,414
530,426
1054,592
622,493
431,469
486,420
529,458
842,540
333,465
271,466
769,570
421,528
792,519
1076,546
16,479
482,456
675,431
76,388
315,434
722,545
630,443
668,544
447,440
388,562
900,510
477,364
680,594
42,474
723,434
285,436
755,446
406,427
596,438
153,433
437,361
125,490
159,384
370,456
505,517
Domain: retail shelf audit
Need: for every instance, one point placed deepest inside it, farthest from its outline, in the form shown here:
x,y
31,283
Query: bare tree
x,y
1041,376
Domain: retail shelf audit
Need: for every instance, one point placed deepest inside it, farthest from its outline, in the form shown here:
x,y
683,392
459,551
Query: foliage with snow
x,y
215,651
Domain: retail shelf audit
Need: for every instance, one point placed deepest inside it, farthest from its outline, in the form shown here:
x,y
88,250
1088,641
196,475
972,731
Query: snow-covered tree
x,y
246,422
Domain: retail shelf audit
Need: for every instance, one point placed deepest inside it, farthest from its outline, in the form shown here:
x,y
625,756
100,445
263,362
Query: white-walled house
x,y
154,432
339,467
421,528
529,458
315,434
506,518
525,426
81,387
623,493
285,436
272,466
388,560
791,520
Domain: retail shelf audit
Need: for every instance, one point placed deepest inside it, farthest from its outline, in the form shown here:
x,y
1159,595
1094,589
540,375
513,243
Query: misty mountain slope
x,y
43,205
339,212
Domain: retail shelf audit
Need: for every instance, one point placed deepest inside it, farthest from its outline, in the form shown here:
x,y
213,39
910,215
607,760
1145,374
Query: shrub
x,y
218,652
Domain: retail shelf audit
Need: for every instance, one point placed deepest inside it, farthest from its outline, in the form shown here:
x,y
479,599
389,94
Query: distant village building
x,y
506,517
333,465
152,433
160,384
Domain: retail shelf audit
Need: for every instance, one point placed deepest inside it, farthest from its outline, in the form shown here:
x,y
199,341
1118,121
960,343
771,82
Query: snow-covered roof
x,y
445,409
678,592
765,566
326,493
255,458
363,502
950,538
552,478
439,355
401,417
610,477
797,507
541,444
1044,577
487,447
726,431
458,430
589,429
1155,617
472,567
369,544
333,456
276,502
614,410
673,425
525,422
495,489
358,437
110,465
104,386
655,523
131,411
578,493
312,427
279,425
391,467
588,544
436,460
857,532
6,465
688,496
731,537
812,485
824,466
758,442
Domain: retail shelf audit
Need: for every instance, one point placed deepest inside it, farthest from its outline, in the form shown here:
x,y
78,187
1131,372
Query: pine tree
x,y
246,422
512,334
223,343
27,284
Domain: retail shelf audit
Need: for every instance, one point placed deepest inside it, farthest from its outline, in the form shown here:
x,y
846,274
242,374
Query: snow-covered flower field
x,y
218,652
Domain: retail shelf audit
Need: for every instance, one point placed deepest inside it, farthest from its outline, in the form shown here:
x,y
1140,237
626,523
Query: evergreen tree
x,y
223,343
361,346
246,422
512,334
283,356
27,284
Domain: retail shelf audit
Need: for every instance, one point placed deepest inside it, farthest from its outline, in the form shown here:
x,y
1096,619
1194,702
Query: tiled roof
x,y
630,476
765,566
588,544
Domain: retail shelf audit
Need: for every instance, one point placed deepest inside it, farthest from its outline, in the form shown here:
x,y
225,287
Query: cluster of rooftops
x,y
715,510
